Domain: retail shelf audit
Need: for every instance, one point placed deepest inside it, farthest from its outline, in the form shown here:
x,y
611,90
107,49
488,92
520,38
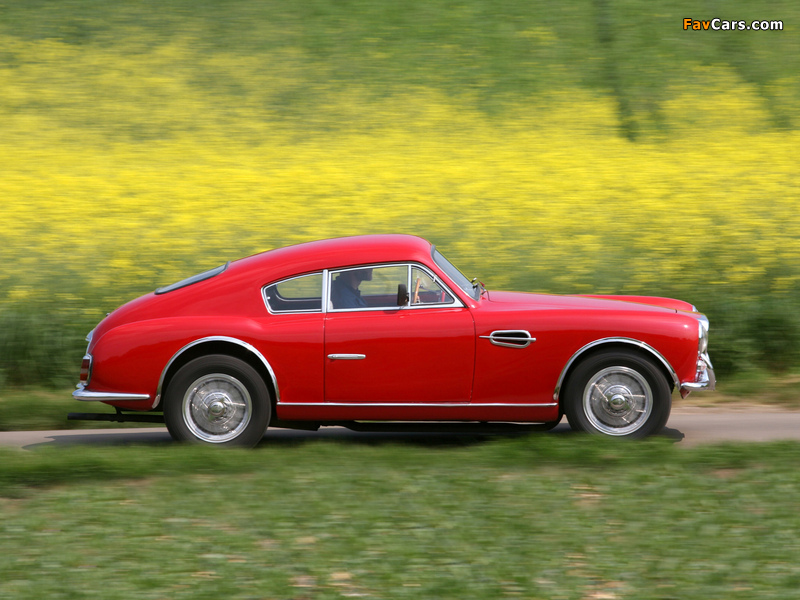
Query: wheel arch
x,y
219,345
619,344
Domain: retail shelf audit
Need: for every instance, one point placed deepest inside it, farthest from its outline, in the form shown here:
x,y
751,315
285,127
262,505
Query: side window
x,y
367,287
299,294
426,290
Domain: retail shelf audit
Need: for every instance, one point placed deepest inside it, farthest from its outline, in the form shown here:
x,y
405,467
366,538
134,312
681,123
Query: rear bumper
x,y
705,380
84,395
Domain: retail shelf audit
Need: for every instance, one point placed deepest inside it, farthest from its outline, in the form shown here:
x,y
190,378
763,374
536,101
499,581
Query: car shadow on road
x,y
672,434
291,437
428,439
113,437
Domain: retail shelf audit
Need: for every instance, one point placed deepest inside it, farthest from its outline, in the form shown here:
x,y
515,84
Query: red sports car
x,y
383,331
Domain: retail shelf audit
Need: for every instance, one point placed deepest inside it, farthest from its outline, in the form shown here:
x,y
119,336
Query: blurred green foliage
x,y
499,51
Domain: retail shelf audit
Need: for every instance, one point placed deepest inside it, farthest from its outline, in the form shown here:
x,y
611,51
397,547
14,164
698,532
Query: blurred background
x,y
548,146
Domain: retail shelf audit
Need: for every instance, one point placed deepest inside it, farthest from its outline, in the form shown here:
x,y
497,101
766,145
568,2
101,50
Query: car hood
x,y
593,302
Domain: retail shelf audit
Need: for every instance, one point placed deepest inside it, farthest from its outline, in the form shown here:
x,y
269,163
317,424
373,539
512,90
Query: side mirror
x,y
402,295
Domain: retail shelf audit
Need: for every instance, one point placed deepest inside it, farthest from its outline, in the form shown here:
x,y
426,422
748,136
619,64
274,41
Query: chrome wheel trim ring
x,y
217,408
617,400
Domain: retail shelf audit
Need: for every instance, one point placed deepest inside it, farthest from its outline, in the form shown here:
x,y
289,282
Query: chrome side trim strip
x,y
418,404
630,341
218,338
347,356
84,396
510,338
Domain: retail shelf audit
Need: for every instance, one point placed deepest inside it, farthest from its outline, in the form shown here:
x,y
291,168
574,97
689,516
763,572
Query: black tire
x,y
618,393
217,400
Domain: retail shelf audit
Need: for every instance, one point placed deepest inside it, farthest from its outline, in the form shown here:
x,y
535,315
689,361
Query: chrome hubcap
x,y
620,400
217,408
617,400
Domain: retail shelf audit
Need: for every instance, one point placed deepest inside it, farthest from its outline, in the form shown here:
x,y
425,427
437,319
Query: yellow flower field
x,y
132,179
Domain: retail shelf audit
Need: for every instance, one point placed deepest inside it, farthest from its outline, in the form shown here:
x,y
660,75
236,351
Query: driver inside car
x,y
344,289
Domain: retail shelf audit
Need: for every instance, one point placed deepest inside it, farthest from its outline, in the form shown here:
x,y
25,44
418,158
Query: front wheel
x,y
217,399
618,393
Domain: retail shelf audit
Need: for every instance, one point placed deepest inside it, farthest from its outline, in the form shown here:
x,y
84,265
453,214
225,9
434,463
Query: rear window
x,y
193,279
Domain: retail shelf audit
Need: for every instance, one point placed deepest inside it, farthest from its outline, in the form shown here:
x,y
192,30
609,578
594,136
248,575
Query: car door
x,y
401,336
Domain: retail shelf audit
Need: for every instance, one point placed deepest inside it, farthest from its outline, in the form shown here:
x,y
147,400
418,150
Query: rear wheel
x,y
217,399
618,393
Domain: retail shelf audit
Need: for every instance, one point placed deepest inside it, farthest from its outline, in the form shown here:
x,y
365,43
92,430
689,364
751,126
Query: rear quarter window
x,y
298,294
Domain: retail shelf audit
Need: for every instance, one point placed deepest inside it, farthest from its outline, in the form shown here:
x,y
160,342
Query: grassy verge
x,y
36,409
752,386
534,517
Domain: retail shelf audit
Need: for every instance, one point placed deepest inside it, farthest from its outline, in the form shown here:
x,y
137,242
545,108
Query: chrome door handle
x,y
347,356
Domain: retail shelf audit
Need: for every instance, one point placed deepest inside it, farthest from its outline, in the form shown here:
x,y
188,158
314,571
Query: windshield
x,y
455,275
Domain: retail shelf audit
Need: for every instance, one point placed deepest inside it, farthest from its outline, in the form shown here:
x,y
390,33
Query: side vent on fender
x,y
514,338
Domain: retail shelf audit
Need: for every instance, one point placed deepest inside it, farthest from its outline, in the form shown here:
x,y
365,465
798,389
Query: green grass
x,y
535,517
757,385
39,409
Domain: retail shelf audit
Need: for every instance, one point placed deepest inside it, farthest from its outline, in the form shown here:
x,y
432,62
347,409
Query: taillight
x,y
86,369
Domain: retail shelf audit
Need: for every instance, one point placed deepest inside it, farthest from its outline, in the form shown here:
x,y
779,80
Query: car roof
x,y
338,252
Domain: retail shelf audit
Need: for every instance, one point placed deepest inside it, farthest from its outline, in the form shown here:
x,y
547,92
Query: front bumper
x,y
704,380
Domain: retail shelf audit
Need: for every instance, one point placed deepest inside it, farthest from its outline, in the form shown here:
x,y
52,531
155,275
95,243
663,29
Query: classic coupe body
x,y
384,329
